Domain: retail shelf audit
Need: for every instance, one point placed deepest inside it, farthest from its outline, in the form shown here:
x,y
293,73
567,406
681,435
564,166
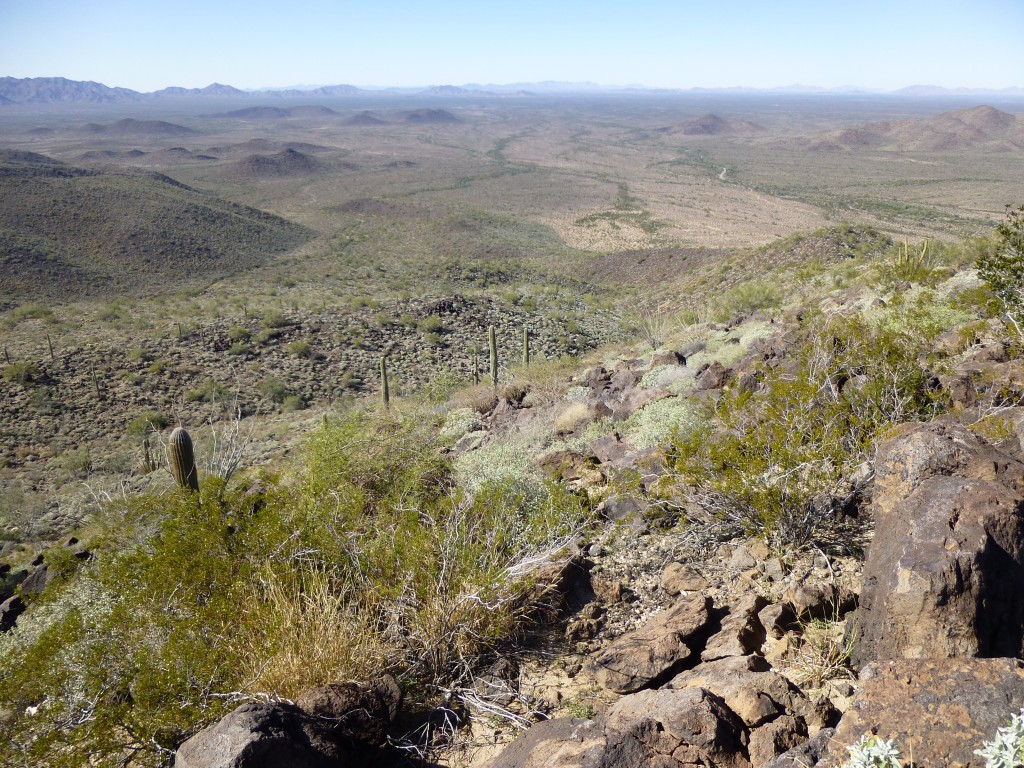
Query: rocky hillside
x,y
67,231
756,538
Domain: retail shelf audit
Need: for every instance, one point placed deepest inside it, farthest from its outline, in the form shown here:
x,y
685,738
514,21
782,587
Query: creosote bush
x,y
367,558
780,461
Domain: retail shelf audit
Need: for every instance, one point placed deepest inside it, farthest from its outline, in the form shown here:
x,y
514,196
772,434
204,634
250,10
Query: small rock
x,y
775,738
608,591
777,619
819,600
680,577
774,569
619,508
581,629
741,559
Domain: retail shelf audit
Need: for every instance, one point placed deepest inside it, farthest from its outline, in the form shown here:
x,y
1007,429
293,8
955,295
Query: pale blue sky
x,y
875,44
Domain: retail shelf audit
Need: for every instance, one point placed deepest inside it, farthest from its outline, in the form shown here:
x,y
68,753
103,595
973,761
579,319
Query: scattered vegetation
x,y
369,558
1002,267
780,461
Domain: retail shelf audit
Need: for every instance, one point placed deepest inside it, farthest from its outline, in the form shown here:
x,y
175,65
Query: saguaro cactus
x,y
385,391
182,459
526,346
493,344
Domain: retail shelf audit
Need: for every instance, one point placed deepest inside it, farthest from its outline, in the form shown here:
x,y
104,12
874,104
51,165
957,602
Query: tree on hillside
x,y
1003,266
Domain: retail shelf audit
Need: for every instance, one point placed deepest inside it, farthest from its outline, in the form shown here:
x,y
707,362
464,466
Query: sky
x,y
879,45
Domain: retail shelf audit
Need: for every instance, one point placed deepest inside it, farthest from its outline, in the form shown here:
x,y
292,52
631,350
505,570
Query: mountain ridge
x,y
52,90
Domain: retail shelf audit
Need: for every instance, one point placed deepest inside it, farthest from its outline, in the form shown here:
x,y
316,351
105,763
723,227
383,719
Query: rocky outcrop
x,y
945,572
655,651
940,710
330,726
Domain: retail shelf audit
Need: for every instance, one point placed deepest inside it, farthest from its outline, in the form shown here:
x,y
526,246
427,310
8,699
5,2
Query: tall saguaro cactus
x,y
183,460
385,391
493,344
526,346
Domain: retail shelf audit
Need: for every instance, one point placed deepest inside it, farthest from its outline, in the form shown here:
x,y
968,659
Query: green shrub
x,y
430,324
1002,267
29,312
1006,750
300,349
293,403
210,391
368,558
146,422
238,333
746,298
779,462
274,319
23,372
872,752
273,389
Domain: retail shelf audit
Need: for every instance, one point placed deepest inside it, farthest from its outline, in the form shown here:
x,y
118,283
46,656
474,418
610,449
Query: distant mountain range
x,y
50,90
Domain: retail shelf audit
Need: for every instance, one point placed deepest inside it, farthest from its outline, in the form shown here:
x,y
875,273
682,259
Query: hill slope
x,y
67,231
947,131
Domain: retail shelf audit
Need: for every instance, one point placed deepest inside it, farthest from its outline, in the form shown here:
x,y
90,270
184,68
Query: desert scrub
x,y
146,422
780,462
651,426
210,391
23,373
1006,750
1002,266
460,422
366,558
505,461
873,752
746,298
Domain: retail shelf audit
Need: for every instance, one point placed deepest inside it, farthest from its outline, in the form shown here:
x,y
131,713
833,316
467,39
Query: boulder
x,y
10,610
918,452
338,724
777,619
657,650
715,376
357,712
689,726
741,632
670,357
560,743
945,575
775,738
813,599
262,735
632,400
37,581
755,692
945,571
942,709
805,754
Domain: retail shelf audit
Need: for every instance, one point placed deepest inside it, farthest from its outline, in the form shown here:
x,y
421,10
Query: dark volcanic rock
x,y
943,709
260,735
331,726
945,572
655,650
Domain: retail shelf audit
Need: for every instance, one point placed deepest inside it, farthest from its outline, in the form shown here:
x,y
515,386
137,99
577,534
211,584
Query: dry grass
x,y
320,637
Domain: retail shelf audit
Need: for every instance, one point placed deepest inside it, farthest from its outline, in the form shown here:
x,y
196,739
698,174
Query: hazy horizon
x,y
880,48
